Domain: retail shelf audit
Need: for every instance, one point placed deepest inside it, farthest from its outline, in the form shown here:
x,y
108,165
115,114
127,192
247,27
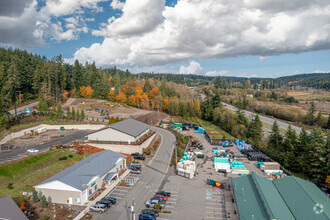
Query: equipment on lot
x,y
200,130
42,130
213,183
104,112
32,132
62,128
186,169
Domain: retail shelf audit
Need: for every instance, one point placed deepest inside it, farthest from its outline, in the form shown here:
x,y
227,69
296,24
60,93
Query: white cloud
x,y
21,31
262,58
217,73
138,17
321,71
117,4
147,33
193,68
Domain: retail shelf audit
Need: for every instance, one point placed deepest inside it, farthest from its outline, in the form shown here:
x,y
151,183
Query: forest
x,y
25,76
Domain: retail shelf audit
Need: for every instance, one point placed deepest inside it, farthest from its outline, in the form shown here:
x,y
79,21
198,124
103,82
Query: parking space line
x,y
163,218
118,194
213,217
125,190
169,206
215,213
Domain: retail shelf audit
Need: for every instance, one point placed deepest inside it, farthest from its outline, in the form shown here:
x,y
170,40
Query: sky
x,y
250,38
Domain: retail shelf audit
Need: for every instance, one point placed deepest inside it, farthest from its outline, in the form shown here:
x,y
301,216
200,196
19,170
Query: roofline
x,y
37,186
129,134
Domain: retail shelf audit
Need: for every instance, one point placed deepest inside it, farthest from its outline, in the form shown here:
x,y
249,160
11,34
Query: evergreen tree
x,y
328,124
73,113
77,75
59,109
82,114
292,136
35,197
77,115
318,119
43,202
304,142
310,118
275,137
290,161
68,113
317,153
255,130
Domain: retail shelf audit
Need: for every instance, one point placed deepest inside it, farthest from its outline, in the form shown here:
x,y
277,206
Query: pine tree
x,y
317,156
275,137
73,113
43,202
59,109
304,142
292,136
328,124
318,119
290,161
82,114
35,197
255,130
310,118
68,113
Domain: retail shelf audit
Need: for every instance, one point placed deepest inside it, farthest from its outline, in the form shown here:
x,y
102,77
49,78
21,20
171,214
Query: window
x,y
77,200
95,187
121,167
90,192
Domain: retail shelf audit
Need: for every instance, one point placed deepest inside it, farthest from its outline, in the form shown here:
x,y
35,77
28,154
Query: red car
x,y
158,196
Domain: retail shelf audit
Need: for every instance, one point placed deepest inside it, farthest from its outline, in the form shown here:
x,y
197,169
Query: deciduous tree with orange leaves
x,y
165,104
121,97
154,92
111,95
86,91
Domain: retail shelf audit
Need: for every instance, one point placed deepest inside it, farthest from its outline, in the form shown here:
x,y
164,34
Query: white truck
x,y
42,130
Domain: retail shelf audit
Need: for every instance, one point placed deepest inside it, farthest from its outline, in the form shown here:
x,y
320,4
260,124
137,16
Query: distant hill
x,y
314,80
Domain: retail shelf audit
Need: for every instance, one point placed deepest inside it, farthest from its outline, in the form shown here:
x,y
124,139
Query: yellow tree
x,y
165,104
154,92
131,100
121,97
111,95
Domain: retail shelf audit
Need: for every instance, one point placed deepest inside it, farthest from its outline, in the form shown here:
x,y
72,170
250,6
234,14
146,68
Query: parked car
x,y
146,217
33,151
153,202
98,208
158,196
200,155
112,199
150,212
135,154
167,194
139,157
105,202
137,167
135,171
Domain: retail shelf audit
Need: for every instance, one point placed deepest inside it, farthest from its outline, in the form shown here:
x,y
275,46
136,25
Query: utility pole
x,y
176,153
132,210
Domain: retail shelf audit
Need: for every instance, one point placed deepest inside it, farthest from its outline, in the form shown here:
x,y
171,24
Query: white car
x,y
33,151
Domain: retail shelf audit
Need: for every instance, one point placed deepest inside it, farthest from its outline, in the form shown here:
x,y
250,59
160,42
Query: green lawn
x,y
24,174
216,131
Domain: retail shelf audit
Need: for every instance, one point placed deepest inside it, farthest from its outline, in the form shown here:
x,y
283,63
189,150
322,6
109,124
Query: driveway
x,y
148,182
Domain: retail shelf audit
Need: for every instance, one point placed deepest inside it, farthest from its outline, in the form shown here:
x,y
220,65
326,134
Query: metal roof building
x,y
126,131
286,198
77,183
9,209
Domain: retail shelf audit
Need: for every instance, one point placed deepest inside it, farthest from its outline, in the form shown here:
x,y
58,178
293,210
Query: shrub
x,y
35,197
10,186
70,155
43,202
157,206
63,158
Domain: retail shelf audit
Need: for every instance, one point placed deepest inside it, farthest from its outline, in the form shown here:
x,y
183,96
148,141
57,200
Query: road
x,y
12,155
267,120
149,182
21,110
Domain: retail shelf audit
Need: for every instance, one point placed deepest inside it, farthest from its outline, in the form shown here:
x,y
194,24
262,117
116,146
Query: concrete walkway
x,y
103,194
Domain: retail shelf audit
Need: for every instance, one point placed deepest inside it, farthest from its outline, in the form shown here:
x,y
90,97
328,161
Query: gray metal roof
x,y
130,126
9,209
79,174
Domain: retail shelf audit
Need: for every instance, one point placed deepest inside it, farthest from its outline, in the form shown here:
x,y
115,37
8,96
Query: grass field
x,y
26,173
216,131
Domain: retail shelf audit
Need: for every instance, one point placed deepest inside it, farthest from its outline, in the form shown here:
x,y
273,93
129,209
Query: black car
x,y
135,154
167,194
107,203
150,212
139,157
113,200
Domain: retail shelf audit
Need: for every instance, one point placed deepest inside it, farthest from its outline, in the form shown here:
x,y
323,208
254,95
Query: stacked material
x,y
200,130
240,172
270,166
221,163
186,169
274,172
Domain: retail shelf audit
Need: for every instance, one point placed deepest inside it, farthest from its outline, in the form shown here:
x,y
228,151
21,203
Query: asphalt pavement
x,y
21,110
148,183
15,154
281,123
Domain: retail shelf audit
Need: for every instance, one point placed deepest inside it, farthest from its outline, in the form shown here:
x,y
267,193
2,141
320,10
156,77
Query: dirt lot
x,y
320,98
27,140
99,109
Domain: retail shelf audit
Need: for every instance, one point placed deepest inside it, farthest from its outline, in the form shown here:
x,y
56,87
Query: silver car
x,y
135,171
98,208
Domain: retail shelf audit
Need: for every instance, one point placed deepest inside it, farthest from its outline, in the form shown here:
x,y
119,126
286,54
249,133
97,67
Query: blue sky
x,y
235,38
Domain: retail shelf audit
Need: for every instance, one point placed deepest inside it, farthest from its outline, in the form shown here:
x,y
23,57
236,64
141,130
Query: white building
x,y
76,184
128,131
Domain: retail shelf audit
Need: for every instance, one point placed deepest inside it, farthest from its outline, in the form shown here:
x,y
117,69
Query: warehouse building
x,y
76,184
128,131
287,198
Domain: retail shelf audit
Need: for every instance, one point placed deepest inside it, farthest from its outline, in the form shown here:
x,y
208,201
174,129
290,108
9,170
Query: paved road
x,y
267,120
149,182
12,155
21,110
